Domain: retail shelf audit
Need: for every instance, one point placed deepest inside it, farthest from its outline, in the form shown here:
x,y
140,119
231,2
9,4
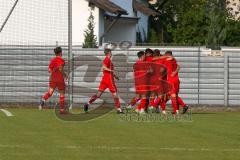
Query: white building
x,y
133,18
45,22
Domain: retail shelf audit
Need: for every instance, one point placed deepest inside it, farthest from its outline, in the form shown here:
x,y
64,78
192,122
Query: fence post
x,y
70,85
226,74
199,55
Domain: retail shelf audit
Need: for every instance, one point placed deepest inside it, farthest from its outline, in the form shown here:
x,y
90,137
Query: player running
x,y
57,77
107,82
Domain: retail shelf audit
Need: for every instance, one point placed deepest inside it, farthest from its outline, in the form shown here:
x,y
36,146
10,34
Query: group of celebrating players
x,y
156,82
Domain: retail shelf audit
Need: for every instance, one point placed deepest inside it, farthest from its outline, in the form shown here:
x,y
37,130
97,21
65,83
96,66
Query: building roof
x,y
108,6
138,6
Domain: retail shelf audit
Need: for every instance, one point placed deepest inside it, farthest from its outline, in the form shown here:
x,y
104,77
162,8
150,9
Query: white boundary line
x,y
133,148
6,112
152,149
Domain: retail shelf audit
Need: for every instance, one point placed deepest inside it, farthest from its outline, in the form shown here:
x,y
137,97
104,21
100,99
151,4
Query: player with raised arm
x,y
107,82
57,77
173,78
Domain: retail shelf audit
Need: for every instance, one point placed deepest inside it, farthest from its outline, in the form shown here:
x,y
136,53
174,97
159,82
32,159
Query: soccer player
x,y
154,79
107,82
142,77
160,80
173,79
57,76
141,69
150,74
149,55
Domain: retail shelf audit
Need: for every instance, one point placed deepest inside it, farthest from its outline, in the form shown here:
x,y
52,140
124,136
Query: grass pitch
x,y
39,135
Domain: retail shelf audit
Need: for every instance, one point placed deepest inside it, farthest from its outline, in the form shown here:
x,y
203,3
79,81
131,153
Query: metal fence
x,y
204,79
24,73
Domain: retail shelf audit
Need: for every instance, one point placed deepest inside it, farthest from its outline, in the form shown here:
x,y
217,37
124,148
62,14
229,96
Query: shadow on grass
x,y
92,114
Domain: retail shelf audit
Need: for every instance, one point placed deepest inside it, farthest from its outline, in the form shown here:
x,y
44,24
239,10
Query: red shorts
x,y
175,86
154,84
164,87
107,84
142,89
57,84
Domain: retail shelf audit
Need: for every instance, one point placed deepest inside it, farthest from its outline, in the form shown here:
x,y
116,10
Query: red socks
x,y
62,101
152,101
180,102
157,102
142,104
134,101
163,104
92,99
174,104
117,102
46,96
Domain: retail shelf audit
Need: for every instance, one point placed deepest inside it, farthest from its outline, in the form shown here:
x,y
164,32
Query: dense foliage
x,y
194,22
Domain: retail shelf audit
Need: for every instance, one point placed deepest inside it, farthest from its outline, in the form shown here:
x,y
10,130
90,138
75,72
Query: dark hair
x,y
140,54
148,50
57,50
168,53
106,51
156,52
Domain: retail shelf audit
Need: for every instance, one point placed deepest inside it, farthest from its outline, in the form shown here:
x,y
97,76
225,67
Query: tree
x,y
217,14
170,14
90,40
153,37
191,26
233,34
190,22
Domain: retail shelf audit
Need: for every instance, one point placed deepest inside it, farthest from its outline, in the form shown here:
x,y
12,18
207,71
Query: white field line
x,y
152,149
6,112
133,148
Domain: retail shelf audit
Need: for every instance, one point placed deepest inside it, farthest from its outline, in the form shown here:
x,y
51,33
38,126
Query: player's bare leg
x,y
91,100
46,96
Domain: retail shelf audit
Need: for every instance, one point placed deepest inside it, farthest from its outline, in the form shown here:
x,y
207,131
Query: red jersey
x,y
160,68
141,76
149,59
54,66
140,69
171,67
107,79
107,62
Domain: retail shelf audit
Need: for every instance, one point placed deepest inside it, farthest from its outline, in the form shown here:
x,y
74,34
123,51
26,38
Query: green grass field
x,y
39,135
